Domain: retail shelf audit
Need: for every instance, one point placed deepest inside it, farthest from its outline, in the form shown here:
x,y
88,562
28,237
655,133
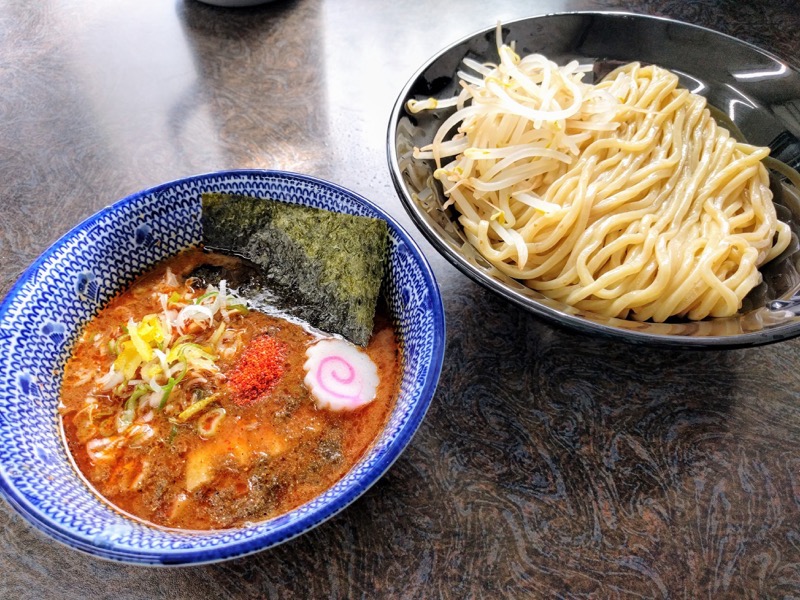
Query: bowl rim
x,y
283,532
540,309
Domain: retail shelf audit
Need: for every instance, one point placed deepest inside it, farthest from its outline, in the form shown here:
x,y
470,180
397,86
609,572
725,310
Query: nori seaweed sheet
x,y
325,267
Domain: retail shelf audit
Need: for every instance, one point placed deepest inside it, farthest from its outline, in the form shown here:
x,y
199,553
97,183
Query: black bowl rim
x,y
554,316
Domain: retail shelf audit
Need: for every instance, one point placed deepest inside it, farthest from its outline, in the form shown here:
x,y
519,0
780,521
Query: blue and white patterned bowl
x,y
46,309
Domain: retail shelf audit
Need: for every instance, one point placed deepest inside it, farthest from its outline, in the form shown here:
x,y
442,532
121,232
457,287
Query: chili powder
x,y
258,369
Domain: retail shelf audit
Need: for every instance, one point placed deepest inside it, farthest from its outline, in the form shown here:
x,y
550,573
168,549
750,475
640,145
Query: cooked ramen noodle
x,y
623,198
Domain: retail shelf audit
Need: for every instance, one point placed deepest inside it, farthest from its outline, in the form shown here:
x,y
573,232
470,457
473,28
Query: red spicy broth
x,y
225,442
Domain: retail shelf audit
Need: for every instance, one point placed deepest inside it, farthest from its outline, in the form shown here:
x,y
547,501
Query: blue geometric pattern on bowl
x,y
46,309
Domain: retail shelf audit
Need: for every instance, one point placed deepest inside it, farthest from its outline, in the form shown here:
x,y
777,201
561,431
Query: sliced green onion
x,y
140,391
214,339
196,356
197,407
172,433
115,344
166,389
240,308
175,298
129,412
181,340
208,423
181,349
171,383
199,299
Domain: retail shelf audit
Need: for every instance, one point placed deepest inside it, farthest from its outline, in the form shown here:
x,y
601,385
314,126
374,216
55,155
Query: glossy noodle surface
x,y
623,198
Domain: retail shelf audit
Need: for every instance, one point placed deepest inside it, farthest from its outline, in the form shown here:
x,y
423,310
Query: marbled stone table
x,y
550,464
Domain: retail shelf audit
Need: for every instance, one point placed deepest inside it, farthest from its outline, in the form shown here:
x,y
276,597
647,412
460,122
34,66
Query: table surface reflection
x,y
550,464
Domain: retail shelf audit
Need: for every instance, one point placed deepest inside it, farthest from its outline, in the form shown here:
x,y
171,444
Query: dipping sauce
x,y
186,408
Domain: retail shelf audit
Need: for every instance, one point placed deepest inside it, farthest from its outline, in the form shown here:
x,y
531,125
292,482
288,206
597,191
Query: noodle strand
x,y
623,198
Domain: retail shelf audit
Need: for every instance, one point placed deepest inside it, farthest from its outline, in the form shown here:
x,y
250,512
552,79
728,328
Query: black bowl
x,y
754,91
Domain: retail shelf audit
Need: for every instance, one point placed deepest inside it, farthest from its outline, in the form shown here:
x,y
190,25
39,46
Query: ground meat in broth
x,y
264,458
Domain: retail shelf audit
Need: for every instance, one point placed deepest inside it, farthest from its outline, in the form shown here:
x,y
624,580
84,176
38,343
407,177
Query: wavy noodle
x,y
623,198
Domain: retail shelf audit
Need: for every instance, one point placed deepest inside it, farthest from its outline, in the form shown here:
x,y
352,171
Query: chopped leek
x,y
154,355
208,423
197,407
240,308
172,433
210,294
175,298
129,413
214,339
173,381
167,389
